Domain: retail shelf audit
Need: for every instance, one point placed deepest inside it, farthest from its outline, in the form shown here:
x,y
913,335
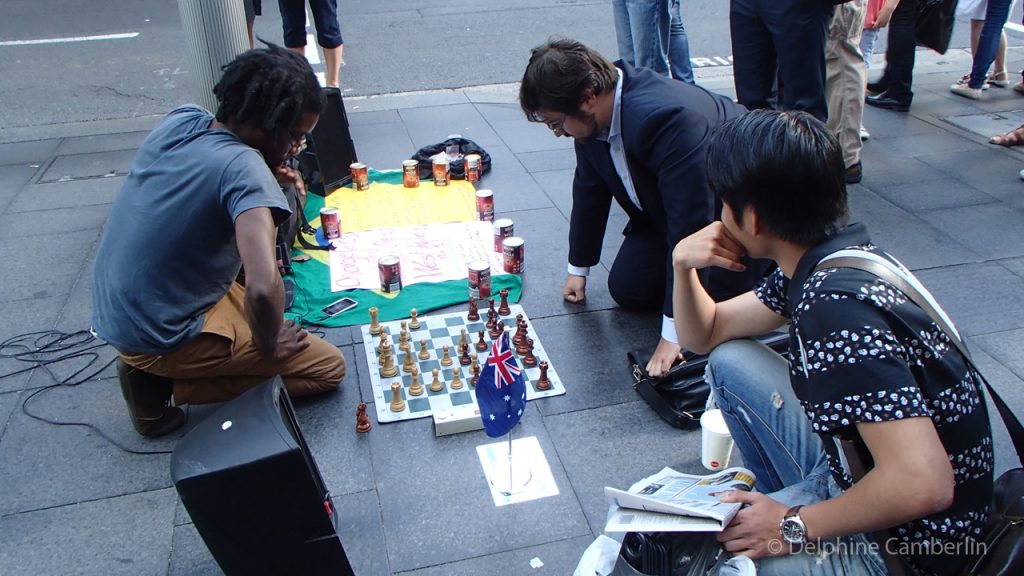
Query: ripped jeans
x,y
750,384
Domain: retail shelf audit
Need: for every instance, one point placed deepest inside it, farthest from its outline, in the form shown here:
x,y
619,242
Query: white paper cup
x,y
716,442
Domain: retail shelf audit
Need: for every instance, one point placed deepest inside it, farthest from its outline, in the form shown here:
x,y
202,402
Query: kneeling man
x,y
869,368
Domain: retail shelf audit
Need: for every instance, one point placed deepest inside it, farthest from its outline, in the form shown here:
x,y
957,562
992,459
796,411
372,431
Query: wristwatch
x,y
792,527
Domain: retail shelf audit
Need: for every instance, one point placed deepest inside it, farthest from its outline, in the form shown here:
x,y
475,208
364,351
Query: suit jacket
x,y
665,125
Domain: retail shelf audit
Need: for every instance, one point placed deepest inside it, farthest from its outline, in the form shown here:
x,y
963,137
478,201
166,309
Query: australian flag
x,y
501,390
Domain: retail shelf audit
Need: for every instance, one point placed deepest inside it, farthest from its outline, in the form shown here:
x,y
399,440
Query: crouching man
x,y
201,201
869,368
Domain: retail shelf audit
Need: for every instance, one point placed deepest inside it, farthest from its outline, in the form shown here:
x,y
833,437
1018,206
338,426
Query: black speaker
x,y
254,492
330,148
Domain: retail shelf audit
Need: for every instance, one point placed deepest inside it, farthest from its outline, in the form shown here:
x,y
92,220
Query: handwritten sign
x,y
433,253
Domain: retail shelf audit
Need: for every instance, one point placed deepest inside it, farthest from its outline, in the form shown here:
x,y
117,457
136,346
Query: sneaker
x,y
966,91
1019,87
1021,174
864,134
965,81
855,173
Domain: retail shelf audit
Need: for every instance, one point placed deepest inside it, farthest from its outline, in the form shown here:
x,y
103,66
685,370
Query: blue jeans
x,y
988,42
650,34
750,384
325,19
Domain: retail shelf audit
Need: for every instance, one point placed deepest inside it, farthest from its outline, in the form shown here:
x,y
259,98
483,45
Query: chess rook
x,y
543,383
374,323
503,308
397,404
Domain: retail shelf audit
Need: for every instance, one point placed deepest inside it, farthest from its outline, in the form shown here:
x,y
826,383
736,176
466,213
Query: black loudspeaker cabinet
x,y
331,150
254,492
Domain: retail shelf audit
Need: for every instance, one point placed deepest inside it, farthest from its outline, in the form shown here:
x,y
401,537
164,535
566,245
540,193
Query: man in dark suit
x,y
640,139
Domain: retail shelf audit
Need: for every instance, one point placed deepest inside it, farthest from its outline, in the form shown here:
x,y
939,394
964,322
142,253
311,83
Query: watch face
x,y
793,531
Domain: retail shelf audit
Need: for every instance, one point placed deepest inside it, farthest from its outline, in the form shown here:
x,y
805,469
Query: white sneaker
x,y
864,135
1022,174
966,91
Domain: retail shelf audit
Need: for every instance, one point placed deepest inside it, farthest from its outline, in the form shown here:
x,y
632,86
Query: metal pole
x,y
215,33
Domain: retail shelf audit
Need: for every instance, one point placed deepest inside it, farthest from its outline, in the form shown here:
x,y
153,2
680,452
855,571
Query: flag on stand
x,y
501,390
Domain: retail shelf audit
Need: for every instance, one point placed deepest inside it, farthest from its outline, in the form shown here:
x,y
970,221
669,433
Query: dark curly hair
x,y
268,88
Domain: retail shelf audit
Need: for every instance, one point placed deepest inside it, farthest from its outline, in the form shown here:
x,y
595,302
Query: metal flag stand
x,y
517,472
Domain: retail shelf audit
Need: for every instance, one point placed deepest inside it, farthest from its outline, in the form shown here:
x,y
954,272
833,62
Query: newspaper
x,y
671,501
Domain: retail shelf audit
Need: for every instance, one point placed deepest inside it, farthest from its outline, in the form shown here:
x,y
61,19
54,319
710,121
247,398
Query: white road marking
x,y
71,39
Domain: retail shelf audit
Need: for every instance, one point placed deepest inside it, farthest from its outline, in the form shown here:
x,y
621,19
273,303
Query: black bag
x,y
457,167
670,553
934,25
325,162
1003,551
680,396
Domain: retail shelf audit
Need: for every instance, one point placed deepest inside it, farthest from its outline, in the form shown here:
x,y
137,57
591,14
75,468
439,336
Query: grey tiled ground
x,y
934,193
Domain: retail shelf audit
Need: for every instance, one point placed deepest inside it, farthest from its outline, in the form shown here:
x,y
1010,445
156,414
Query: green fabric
x,y
312,280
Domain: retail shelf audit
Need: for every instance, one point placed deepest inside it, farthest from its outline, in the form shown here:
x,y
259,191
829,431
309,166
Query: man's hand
x,y
287,175
665,355
291,340
575,289
754,531
885,14
709,246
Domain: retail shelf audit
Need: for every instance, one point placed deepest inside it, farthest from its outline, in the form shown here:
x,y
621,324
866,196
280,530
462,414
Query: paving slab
x,y
1015,265
987,124
913,240
436,502
547,160
36,270
88,165
559,557
1007,384
371,118
617,445
990,230
980,298
938,195
189,555
514,188
31,152
521,136
70,194
98,143
432,124
12,180
129,535
43,226
8,403
43,466
382,146
993,170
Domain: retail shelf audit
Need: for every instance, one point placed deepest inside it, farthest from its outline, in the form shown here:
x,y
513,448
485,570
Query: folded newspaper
x,y
671,501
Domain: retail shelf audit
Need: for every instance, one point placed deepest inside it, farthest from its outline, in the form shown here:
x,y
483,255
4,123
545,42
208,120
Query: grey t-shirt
x,y
168,252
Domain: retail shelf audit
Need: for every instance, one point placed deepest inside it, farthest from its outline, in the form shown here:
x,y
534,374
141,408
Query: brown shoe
x,y
148,397
855,173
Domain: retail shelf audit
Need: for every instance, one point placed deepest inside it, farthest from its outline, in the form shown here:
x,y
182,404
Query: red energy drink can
x,y
330,221
502,230
410,174
479,279
513,250
472,167
440,171
390,274
485,205
360,176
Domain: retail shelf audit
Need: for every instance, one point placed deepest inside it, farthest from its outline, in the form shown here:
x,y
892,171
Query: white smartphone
x,y
339,306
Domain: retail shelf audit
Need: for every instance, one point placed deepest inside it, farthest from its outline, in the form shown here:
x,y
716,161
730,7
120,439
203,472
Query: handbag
x,y
680,396
668,553
1003,549
934,25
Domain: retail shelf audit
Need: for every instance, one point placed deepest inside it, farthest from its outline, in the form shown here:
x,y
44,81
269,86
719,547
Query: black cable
x,y
49,347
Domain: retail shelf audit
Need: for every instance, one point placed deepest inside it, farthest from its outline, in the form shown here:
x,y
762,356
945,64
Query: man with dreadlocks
x,y
201,201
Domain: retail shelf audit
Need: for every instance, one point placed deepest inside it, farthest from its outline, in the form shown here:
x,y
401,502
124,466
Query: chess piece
x,y
476,375
481,344
474,314
424,353
520,326
408,365
436,385
385,342
446,359
416,389
529,360
490,309
397,404
456,383
464,358
403,339
414,323
387,366
521,346
362,420
543,383
492,319
464,340
374,323
503,308
499,328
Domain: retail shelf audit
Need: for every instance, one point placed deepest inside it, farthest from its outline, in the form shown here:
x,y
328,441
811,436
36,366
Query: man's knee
x,y
635,293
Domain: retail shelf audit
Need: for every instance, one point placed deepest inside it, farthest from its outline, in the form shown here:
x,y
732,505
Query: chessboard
x,y
439,331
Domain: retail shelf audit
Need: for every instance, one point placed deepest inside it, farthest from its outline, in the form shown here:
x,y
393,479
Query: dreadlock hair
x,y
268,88
559,72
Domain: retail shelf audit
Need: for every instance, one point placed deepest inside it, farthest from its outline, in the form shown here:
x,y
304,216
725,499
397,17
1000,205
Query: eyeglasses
x,y
556,125
298,142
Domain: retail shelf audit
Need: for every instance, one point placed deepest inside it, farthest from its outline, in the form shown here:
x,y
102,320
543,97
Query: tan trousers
x,y
223,361
846,77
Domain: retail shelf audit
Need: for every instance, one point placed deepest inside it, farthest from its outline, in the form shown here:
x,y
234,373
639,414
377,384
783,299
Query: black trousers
x,y
899,56
784,38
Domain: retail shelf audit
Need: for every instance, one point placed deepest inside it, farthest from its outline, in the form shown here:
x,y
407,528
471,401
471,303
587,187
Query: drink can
x,y
360,176
512,248
390,274
330,221
472,167
410,173
479,279
440,171
502,230
485,205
